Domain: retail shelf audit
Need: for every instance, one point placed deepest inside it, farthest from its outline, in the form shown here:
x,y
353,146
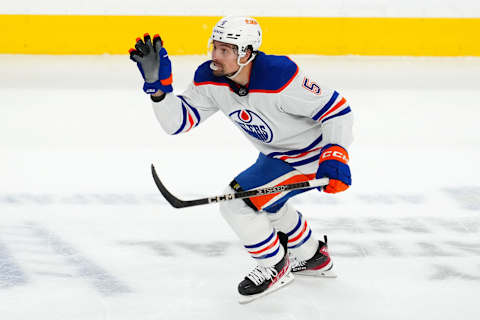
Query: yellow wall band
x,y
79,34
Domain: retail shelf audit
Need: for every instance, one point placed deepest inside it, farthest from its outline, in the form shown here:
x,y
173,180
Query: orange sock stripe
x,y
265,249
300,234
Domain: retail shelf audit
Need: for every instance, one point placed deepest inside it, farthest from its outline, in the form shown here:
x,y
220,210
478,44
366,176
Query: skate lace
x,y
260,274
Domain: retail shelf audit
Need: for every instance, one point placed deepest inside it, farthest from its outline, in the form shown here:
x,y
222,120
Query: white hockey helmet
x,y
240,31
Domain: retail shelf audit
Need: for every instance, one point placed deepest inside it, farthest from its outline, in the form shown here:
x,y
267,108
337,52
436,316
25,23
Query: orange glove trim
x,y
168,81
335,153
335,186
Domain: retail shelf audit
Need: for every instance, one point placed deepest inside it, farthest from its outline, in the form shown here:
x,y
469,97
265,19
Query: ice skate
x,y
264,280
320,265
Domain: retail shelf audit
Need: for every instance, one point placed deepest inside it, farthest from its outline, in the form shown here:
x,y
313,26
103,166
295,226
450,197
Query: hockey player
x,y
302,130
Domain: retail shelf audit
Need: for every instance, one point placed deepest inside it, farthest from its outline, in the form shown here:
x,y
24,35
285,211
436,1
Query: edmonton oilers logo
x,y
251,123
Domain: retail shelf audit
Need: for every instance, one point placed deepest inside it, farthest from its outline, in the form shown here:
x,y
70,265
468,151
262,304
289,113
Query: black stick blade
x,y
174,201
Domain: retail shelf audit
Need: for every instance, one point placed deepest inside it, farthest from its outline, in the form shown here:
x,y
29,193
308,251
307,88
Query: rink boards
x,y
185,35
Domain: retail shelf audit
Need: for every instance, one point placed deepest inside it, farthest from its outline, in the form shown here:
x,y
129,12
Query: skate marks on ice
x,y
449,272
467,198
338,248
45,199
413,226
44,254
180,248
81,199
448,248
11,274
404,248
424,251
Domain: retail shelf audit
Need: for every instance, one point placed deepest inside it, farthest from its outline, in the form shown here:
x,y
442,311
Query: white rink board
x,y
307,8
85,235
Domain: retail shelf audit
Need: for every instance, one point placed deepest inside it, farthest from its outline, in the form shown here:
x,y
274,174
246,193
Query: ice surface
x,y
85,235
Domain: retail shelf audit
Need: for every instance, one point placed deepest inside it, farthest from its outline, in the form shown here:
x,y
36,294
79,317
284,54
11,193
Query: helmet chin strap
x,y
233,75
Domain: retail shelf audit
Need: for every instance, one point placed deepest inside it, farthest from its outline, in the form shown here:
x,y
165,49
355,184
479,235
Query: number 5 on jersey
x,y
311,86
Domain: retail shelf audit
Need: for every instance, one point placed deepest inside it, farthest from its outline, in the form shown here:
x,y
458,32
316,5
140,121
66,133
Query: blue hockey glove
x,y
334,165
153,62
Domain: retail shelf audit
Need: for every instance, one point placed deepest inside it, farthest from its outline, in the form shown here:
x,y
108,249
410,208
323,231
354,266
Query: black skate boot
x,y
320,265
263,280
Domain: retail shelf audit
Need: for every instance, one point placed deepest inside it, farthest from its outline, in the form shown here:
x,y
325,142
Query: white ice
x,y
84,234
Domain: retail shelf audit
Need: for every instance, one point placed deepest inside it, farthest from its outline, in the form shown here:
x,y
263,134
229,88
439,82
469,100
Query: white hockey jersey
x,y
284,113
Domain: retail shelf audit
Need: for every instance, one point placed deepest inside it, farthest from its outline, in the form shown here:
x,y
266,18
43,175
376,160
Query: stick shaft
x,y
178,203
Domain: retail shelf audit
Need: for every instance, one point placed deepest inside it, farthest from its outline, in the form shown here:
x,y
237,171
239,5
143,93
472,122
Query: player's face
x,y
224,57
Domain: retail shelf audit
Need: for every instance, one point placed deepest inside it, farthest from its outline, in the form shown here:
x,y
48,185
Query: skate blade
x,y
288,278
318,274
327,272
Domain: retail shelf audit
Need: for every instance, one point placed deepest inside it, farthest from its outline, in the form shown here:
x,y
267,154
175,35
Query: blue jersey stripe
x,y
305,161
195,111
297,226
197,114
301,242
184,120
294,152
261,243
326,107
269,255
341,113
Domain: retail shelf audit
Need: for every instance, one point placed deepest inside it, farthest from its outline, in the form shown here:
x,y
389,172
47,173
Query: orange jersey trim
x,y
338,105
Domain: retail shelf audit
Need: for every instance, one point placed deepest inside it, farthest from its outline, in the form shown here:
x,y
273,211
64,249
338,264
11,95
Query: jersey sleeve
x,y
181,113
306,98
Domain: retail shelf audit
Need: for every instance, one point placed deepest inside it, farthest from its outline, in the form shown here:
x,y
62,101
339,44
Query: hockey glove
x,y
153,62
334,165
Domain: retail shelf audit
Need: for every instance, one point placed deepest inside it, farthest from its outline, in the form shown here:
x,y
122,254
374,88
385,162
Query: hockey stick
x,y
178,203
